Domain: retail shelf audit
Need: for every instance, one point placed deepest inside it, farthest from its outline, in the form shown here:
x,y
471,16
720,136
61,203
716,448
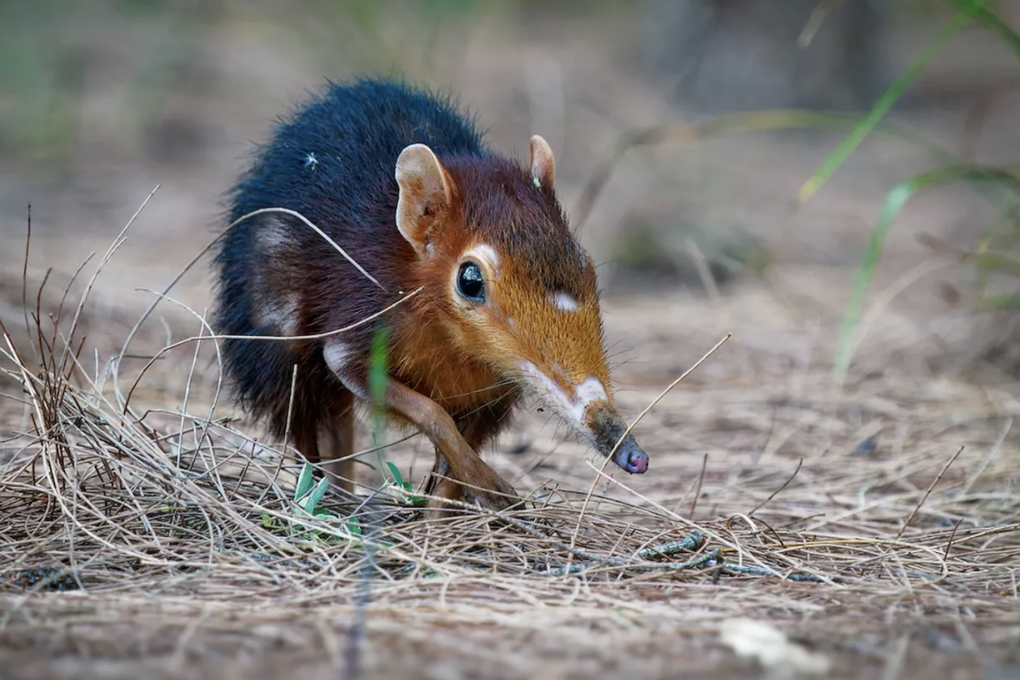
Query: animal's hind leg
x,y
338,442
305,438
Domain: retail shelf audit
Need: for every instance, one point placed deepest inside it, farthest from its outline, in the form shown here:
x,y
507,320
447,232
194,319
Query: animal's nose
x,y
631,457
606,427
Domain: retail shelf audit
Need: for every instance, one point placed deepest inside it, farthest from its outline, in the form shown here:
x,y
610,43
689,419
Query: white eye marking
x,y
590,390
484,252
537,182
510,321
564,302
337,356
571,409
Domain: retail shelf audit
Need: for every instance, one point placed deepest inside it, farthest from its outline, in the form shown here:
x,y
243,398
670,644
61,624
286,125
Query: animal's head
x,y
513,287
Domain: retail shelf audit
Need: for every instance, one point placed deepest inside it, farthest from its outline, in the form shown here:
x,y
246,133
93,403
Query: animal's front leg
x,y
477,480
477,429
442,487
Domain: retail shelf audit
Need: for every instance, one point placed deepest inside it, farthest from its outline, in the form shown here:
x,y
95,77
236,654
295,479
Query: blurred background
x,y
101,101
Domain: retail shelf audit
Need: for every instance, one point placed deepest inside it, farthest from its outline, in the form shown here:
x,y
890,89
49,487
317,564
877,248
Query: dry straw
x,y
132,503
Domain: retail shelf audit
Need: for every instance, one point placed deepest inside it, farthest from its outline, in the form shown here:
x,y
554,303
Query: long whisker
x,y
481,390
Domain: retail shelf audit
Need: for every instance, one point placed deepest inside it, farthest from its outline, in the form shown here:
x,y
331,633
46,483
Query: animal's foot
x,y
500,496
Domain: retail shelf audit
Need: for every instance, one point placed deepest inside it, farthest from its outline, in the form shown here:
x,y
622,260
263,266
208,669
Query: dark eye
x,y
470,284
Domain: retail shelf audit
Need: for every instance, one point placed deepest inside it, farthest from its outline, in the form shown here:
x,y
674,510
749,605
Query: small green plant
x,y
307,496
308,493
405,488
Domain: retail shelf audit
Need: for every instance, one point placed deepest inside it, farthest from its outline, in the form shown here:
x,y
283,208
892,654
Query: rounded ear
x,y
425,195
543,163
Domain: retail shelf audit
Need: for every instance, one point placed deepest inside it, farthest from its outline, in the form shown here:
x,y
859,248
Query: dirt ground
x,y
897,489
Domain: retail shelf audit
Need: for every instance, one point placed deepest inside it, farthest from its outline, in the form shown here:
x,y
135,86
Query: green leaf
x,y
885,102
304,483
405,486
397,477
378,366
316,495
415,501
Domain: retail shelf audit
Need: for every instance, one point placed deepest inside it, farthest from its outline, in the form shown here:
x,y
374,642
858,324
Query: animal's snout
x,y
631,457
606,427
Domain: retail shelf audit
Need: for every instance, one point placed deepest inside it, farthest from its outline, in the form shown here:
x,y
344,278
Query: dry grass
x,y
156,518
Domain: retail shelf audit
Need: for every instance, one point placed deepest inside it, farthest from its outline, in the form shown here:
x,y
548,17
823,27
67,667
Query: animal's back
x,y
331,161
338,152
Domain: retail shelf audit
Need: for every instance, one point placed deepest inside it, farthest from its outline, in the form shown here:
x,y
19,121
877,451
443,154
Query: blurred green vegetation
x,y
994,255
55,53
50,48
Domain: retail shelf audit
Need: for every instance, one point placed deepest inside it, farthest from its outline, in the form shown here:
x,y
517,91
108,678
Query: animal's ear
x,y
543,163
426,192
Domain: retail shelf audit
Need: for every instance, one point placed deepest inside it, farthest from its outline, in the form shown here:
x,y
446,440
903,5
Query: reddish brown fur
x,y
509,214
457,366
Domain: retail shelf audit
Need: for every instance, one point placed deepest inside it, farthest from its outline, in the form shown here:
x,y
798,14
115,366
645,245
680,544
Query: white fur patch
x,y
590,390
337,356
280,315
571,408
564,302
483,251
272,236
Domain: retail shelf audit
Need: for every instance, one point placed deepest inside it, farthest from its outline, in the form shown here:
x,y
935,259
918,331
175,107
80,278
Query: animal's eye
x,y
470,284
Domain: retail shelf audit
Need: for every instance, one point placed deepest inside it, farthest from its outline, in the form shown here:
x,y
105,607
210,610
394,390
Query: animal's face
x,y
519,293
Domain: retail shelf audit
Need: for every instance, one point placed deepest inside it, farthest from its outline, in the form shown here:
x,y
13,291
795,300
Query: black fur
x,y
332,161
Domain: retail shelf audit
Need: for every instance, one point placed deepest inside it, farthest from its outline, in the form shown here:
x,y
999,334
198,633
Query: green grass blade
x,y
992,21
893,204
885,102
994,263
999,302
378,374
732,125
